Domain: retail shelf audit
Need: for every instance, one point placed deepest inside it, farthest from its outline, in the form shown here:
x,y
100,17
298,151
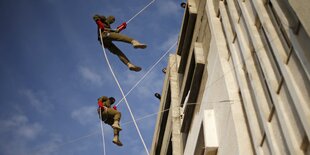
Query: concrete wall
x,y
241,79
301,9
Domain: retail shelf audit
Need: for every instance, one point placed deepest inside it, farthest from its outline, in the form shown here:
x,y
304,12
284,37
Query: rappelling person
x,y
109,35
110,116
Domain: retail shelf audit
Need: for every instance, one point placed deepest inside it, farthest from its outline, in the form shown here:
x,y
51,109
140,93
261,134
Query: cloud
x,y
20,125
39,100
30,131
18,133
13,122
90,76
85,115
49,147
168,8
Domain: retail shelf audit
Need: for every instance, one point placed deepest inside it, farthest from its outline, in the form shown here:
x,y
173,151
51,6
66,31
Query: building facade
x,y
238,83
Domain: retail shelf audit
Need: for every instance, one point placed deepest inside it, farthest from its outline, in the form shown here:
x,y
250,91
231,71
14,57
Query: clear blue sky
x,y
53,70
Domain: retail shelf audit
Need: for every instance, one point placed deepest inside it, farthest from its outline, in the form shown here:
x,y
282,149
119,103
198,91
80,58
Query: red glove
x,y
121,27
100,104
100,24
114,107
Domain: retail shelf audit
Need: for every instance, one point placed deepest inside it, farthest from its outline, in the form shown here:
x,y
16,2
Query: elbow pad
x,y
100,24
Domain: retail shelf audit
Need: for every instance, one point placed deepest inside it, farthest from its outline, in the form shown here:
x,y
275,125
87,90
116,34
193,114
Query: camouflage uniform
x,y
110,116
109,35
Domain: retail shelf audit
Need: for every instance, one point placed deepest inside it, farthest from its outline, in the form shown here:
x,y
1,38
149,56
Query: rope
x,y
153,114
140,11
121,90
216,80
129,122
146,73
102,133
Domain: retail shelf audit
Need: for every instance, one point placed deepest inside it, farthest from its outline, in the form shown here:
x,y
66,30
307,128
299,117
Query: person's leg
x,y
115,50
102,114
120,37
114,113
106,115
116,138
116,117
110,120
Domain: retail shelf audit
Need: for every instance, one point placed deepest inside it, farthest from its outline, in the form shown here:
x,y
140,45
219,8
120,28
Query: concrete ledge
x,y
199,62
210,133
162,118
186,37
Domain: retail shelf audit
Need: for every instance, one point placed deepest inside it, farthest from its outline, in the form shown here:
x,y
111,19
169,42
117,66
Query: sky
x,y
53,70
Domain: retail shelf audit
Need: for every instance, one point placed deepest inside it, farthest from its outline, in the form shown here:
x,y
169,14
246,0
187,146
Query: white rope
x,y
146,73
102,133
120,88
129,122
140,11
156,113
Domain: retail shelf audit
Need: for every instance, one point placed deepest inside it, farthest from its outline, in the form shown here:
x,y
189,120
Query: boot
x,y
117,141
116,126
137,44
132,67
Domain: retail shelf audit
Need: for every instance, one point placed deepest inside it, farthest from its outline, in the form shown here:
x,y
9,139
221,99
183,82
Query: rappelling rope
x,y
140,11
147,73
120,88
102,133
162,111
127,123
154,114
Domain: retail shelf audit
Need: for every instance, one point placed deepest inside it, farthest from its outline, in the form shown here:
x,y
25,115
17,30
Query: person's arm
x,y
111,30
98,21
